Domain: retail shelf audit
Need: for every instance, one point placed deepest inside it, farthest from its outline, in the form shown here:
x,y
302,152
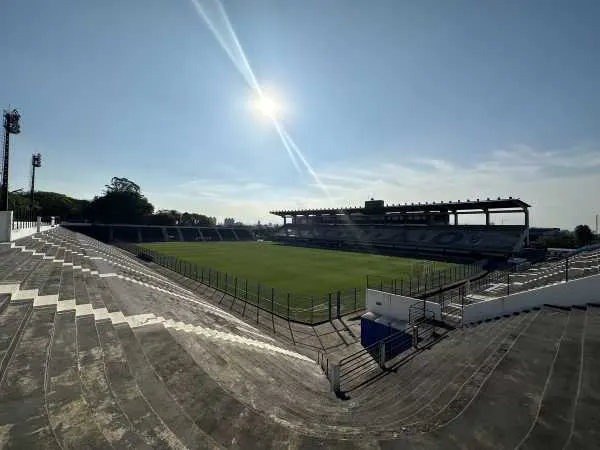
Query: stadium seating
x,y
483,240
98,350
152,234
142,233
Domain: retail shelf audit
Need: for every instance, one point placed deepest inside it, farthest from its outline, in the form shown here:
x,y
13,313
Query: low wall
x,y
24,232
395,306
572,293
7,234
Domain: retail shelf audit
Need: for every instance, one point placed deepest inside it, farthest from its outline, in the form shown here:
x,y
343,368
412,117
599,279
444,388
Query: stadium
x,y
115,336
247,298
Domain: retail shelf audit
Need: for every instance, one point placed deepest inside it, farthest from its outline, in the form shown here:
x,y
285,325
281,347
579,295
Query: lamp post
x,y
36,161
11,126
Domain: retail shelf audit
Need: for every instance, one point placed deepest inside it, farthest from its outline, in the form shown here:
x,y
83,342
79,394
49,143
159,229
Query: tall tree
x,y
121,202
121,185
583,235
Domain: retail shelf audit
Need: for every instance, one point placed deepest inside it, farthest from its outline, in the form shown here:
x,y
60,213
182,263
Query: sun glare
x,y
267,106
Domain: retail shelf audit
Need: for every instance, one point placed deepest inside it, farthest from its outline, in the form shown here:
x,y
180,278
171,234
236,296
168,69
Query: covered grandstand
x,y
415,229
156,233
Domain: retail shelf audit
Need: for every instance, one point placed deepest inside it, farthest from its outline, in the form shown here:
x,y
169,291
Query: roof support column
x,y
487,216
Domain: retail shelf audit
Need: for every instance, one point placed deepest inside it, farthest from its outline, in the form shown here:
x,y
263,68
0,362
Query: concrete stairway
x,y
122,364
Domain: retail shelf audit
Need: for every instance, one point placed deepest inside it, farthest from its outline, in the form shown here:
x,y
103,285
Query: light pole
x,y
11,126
36,161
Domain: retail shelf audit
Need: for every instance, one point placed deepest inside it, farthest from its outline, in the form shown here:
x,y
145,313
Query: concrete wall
x,y
575,292
395,307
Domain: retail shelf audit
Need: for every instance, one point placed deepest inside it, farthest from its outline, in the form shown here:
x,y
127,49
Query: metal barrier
x,y
424,283
24,218
357,368
522,278
308,309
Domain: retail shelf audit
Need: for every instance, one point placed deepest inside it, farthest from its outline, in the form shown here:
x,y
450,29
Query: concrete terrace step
x,y
585,426
506,403
221,416
552,426
430,390
97,391
12,321
23,419
156,392
68,413
145,420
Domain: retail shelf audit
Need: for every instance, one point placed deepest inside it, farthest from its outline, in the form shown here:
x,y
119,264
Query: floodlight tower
x,y
11,126
36,161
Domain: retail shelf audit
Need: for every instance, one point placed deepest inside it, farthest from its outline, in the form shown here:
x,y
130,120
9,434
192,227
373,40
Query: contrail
x,y
227,39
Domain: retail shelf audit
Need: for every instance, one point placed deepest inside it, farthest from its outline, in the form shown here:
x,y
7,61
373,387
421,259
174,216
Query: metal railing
x,y
359,367
308,309
424,283
522,278
24,218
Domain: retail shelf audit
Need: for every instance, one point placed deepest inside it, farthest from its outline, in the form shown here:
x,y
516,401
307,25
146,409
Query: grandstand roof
x,y
489,204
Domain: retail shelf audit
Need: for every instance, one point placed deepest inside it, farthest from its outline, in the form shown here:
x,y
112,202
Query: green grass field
x,y
293,269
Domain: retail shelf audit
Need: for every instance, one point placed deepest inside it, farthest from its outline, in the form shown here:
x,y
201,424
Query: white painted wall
x,y
575,292
395,307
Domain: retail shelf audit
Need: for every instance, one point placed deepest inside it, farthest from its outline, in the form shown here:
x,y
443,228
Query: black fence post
x,y
339,304
355,299
329,306
246,289
235,288
288,306
257,301
273,307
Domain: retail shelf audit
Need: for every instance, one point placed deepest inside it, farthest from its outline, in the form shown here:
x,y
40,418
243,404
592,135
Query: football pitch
x,y
298,270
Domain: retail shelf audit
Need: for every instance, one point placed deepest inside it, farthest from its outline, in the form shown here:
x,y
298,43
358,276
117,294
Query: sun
x,y
267,106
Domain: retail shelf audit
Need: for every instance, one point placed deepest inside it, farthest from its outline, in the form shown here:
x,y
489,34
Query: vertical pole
x,y
257,301
4,189
32,183
272,299
235,289
339,304
507,283
355,299
567,269
382,355
312,309
329,306
288,305
273,307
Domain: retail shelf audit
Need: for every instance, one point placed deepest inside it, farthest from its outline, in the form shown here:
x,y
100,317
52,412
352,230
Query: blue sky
x,y
400,100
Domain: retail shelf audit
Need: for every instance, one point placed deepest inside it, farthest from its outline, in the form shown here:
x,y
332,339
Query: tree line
x,y
121,201
580,236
